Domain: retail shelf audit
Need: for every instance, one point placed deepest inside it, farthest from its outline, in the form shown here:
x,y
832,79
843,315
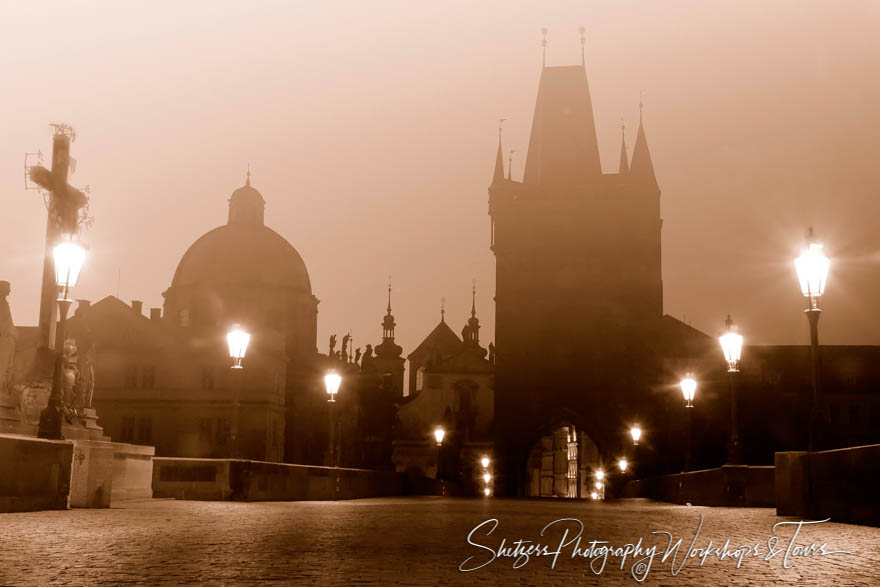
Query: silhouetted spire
x,y
624,161
543,46
247,181
388,349
498,176
442,309
642,169
563,148
510,163
470,334
474,300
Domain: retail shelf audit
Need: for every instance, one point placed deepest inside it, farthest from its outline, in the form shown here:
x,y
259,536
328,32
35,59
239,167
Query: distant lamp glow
x,y
622,465
731,345
332,381
487,477
69,257
812,269
600,474
238,340
439,434
636,434
594,495
689,389
485,462
598,485
487,492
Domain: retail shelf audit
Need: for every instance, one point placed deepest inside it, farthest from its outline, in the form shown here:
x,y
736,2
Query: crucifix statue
x,y
66,207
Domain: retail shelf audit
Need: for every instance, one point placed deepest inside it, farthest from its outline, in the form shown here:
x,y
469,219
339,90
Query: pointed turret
x,y
642,169
498,176
388,349
624,162
470,334
563,149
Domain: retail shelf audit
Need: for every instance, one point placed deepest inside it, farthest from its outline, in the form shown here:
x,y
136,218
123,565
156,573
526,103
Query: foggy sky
x,y
370,128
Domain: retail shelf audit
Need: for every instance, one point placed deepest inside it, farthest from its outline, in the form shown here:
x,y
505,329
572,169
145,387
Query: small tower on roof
x,y
388,362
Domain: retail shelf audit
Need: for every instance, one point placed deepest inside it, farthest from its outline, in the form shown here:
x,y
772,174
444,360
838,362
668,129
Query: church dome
x,y
243,252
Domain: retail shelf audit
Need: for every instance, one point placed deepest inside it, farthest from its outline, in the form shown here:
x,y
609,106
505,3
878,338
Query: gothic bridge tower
x,y
579,295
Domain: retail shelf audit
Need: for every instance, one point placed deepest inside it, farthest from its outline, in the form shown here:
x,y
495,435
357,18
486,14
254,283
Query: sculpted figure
x,y
332,346
344,351
86,385
7,339
492,353
70,375
357,355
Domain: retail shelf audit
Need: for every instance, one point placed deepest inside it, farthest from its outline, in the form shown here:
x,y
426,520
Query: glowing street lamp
x,y
731,345
636,434
69,256
439,434
600,474
487,477
237,340
688,390
598,485
485,462
332,381
622,465
812,269
487,492
594,495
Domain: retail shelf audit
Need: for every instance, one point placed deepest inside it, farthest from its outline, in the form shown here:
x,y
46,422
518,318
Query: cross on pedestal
x,y
65,204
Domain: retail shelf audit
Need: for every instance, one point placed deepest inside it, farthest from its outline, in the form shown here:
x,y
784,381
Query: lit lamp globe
x,y
731,345
487,491
69,257
600,474
598,485
487,477
238,340
636,434
485,462
622,465
439,433
812,270
688,390
332,380
594,495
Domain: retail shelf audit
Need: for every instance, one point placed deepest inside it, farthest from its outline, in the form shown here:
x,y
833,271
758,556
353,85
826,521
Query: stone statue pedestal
x,y
84,427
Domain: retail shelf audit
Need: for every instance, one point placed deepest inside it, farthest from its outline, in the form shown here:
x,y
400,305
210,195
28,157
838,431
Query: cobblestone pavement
x,y
408,541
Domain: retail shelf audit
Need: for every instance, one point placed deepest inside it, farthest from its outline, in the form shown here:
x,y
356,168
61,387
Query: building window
x,y
420,379
126,433
207,378
148,377
145,430
131,377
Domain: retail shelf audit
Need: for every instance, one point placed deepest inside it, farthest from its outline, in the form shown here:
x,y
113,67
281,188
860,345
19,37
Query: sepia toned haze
x,y
371,129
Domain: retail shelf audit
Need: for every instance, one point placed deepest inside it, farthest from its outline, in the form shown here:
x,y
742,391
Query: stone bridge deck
x,y
407,541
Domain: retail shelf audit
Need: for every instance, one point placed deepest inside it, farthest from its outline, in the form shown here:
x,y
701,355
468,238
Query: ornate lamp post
x,y
731,345
812,269
69,257
439,435
332,381
688,390
237,340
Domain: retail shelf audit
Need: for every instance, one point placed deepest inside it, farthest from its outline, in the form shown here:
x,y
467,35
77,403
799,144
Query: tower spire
x,y
474,299
543,46
624,161
510,163
443,309
389,294
498,176
642,168
247,181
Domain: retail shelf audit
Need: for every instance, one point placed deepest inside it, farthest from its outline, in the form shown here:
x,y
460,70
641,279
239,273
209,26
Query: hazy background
x,y
371,132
